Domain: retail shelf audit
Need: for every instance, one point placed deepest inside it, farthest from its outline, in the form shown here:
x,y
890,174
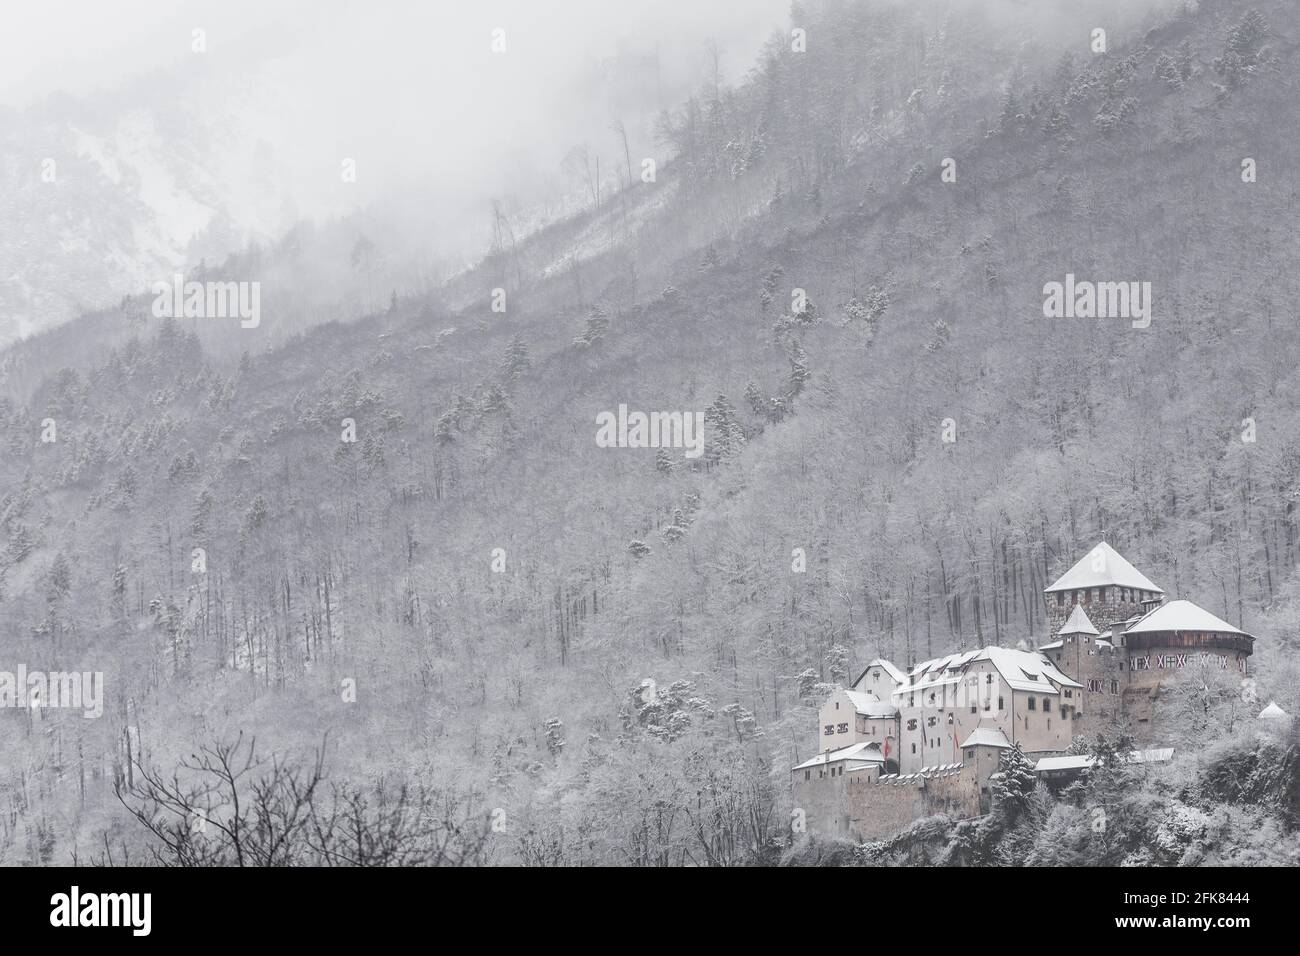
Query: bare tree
x,y
229,806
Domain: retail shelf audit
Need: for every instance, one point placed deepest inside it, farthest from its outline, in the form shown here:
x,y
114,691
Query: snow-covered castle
x,y
901,744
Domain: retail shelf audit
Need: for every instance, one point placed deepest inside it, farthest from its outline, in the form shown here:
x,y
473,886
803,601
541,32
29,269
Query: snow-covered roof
x,y
1078,623
1055,645
1022,670
1182,616
887,666
1101,567
1027,670
868,706
1084,761
1273,712
867,752
986,737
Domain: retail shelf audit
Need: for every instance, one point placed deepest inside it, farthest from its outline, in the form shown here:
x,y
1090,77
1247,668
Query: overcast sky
x,y
437,123
411,90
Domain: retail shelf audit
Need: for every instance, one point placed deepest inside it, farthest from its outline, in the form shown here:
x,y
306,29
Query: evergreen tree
x,y
515,360
1014,783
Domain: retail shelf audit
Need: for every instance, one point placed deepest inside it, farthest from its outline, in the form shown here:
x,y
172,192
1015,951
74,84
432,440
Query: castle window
x,y
950,719
913,748
1031,704
807,774
1114,687
970,754
974,708
1060,598
999,703
988,678
1049,723
842,729
829,731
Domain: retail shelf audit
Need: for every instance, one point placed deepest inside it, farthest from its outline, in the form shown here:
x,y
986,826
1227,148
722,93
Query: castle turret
x,y
1082,654
1106,585
1077,632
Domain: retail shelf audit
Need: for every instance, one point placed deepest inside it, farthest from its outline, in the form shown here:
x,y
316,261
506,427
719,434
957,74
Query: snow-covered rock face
x,y
112,199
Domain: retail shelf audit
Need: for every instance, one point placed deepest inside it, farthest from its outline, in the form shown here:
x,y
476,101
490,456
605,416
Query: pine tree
x,y
799,372
595,329
516,359
1014,783
1058,124
442,432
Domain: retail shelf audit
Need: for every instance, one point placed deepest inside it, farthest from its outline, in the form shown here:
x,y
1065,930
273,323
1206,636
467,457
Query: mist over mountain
x,y
380,522
207,144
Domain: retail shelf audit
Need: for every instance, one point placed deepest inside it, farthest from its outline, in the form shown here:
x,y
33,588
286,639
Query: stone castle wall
x,y
863,807
1104,607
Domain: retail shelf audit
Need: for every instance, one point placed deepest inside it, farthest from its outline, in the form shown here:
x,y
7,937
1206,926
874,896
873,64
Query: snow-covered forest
x,y
377,579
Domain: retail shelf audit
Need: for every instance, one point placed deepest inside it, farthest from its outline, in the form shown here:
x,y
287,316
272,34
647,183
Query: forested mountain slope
x,y
513,678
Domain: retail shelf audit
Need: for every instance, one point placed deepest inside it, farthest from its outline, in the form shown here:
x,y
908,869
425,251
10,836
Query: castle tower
x,y
1172,637
1071,639
1082,654
1108,588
